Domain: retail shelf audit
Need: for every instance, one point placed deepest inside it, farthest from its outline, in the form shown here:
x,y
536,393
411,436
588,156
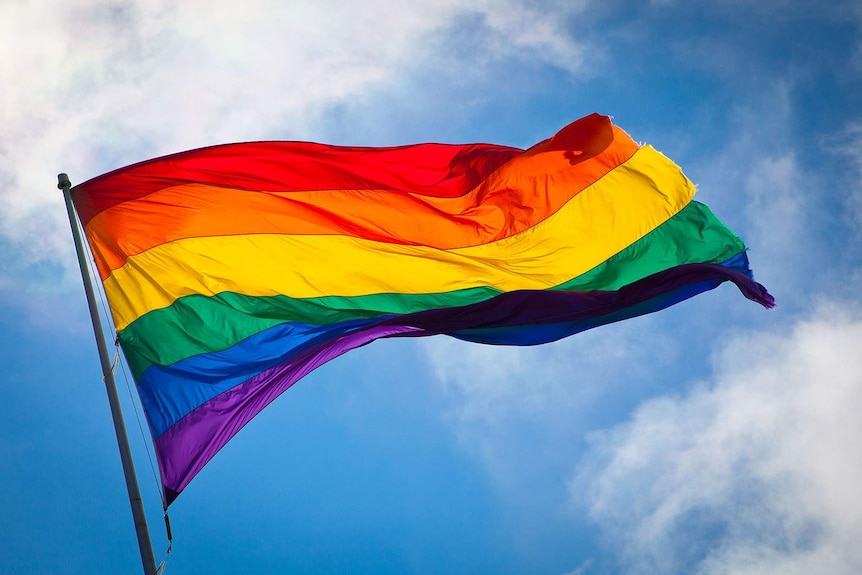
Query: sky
x,y
714,437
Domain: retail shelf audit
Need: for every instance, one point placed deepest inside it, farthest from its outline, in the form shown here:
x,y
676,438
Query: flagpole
x,y
147,558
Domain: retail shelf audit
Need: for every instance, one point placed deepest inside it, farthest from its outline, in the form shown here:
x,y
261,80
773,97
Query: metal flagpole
x,y
147,558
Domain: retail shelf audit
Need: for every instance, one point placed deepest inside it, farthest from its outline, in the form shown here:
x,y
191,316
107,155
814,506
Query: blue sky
x,y
712,438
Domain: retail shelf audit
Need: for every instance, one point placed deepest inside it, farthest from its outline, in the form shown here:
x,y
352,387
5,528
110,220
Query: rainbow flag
x,y
233,271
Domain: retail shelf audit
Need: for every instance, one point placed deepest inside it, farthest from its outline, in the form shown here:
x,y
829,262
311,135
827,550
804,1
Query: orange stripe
x,y
523,192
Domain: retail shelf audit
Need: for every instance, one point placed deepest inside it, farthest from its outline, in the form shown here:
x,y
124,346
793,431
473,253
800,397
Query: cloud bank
x,y
756,472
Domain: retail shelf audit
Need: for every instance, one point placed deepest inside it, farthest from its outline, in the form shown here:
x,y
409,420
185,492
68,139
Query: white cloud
x,y
755,473
491,385
522,412
760,185
779,213
848,145
582,569
90,85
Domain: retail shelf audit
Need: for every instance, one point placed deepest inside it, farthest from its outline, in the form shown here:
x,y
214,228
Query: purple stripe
x,y
527,307
187,446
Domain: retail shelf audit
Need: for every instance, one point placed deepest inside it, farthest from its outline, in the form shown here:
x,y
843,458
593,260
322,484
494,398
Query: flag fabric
x,y
233,271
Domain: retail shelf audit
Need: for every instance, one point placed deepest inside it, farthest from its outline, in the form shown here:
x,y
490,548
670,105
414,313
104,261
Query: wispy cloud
x,y
763,184
490,385
847,145
755,472
523,412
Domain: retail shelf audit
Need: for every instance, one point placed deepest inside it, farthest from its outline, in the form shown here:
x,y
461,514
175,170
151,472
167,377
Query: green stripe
x,y
693,235
198,324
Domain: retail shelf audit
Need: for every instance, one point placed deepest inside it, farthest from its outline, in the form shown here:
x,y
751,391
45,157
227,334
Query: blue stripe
x,y
168,393
537,334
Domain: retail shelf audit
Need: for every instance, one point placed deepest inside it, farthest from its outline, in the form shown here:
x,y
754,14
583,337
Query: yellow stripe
x,y
616,211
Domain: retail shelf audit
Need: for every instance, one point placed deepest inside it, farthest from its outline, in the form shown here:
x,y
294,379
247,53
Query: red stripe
x,y
440,170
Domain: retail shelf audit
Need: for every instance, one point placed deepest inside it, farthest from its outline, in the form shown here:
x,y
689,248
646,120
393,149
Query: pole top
x,y
63,182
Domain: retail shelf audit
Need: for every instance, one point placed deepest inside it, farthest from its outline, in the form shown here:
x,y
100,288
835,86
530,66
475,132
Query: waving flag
x,y
235,270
